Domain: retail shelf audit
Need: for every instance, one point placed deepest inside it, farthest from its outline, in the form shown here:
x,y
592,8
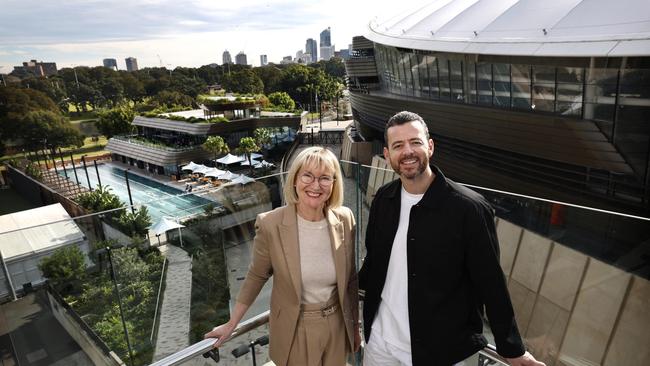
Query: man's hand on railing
x,y
525,360
222,333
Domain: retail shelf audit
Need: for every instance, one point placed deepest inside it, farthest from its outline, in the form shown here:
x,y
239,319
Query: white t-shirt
x,y
392,320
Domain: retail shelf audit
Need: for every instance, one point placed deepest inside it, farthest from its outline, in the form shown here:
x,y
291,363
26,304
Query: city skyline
x,y
115,30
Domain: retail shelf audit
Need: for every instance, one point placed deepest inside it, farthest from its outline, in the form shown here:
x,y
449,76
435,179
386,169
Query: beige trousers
x,y
320,340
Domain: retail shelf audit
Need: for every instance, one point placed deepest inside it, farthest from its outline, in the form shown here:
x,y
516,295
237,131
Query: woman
x,y
308,247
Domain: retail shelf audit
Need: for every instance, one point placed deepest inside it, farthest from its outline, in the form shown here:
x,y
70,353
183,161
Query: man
x,y
432,264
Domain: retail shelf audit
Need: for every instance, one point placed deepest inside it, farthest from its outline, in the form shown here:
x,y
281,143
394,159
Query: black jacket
x,y
453,267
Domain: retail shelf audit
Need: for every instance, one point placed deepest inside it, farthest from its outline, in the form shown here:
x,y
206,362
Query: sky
x,y
175,33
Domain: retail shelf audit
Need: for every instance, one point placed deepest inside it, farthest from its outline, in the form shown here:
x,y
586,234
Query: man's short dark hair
x,y
402,118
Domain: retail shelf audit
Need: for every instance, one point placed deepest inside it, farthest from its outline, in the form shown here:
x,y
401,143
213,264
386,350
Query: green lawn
x,y
90,148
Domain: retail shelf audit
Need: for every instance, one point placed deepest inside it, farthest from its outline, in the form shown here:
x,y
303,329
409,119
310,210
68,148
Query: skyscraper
x,y
226,57
326,49
111,63
312,48
131,64
241,59
263,60
326,37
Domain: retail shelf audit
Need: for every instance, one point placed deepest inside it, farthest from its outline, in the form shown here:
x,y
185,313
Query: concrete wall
x,y
89,342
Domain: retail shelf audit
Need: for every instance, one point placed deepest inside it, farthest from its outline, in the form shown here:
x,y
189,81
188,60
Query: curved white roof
x,y
522,27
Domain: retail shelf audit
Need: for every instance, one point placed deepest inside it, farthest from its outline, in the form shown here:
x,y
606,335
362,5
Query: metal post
x,y
74,168
99,180
359,210
83,160
47,166
119,303
128,188
253,353
63,164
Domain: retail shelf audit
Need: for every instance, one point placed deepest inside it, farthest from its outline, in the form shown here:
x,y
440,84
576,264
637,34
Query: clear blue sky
x,y
181,32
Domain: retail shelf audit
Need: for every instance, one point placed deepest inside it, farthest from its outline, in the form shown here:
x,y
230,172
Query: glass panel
x,y
569,91
501,85
456,74
521,86
443,79
600,98
405,61
484,74
544,88
633,120
575,277
417,91
424,75
471,76
432,64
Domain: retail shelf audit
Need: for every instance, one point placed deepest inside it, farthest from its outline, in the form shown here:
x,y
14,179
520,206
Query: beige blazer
x,y
276,253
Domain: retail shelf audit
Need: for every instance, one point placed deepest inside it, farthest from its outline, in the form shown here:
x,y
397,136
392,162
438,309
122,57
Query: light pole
x,y
119,303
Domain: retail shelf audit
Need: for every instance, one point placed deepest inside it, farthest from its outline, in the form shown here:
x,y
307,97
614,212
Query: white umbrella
x,y
253,156
201,169
191,166
165,225
229,159
246,163
214,172
243,179
227,176
263,164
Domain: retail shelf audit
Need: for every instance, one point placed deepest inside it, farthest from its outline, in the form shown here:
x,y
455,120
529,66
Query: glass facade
x,y
616,98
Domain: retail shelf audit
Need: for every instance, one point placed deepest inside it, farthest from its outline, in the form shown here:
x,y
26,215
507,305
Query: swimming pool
x,y
161,200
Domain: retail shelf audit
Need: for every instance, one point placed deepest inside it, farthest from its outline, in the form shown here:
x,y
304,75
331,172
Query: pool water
x,y
161,200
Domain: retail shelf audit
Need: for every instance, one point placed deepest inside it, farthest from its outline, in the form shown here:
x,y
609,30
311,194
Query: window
x,y
543,88
501,82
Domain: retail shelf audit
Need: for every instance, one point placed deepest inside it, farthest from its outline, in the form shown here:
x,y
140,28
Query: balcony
x,y
578,277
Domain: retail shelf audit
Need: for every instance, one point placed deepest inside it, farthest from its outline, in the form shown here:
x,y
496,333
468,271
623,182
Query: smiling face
x,y
314,195
409,149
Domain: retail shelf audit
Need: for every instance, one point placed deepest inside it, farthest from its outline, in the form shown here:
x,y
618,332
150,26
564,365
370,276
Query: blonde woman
x,y
308,248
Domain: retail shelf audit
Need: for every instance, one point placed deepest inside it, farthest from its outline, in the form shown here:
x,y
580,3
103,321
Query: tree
x,y
170,99
39,128
283,101
247,146
65,268
262,136
116,121
100,199
135,224
216,145
244,81
271,77
15,103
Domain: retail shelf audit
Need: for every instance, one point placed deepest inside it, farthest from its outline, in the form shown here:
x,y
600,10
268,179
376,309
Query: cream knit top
x,y
316,261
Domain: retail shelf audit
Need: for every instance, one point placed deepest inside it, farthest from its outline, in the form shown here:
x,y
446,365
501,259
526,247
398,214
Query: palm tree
x,y
247,146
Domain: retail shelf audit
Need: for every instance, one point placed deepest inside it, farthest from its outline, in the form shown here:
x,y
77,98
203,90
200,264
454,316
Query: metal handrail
x,y
206,345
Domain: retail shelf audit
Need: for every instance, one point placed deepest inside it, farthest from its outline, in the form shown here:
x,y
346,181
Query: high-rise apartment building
x,y
241,59
263,60
326,48
312,48
226,57
131,64
110,63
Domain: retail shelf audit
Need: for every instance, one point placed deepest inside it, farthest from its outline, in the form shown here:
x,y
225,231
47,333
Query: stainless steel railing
x,y
199,348
487,356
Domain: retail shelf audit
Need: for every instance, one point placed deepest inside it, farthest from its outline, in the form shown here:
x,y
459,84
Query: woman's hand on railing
x,y
221,332
526,360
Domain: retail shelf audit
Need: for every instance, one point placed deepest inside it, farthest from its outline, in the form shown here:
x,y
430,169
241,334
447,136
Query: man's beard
x,y
422,166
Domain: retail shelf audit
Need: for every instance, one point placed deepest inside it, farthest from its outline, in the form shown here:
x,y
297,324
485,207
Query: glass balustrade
x,y
141,290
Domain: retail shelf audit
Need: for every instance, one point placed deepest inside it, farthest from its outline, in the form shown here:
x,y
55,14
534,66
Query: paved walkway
x,y
174,328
